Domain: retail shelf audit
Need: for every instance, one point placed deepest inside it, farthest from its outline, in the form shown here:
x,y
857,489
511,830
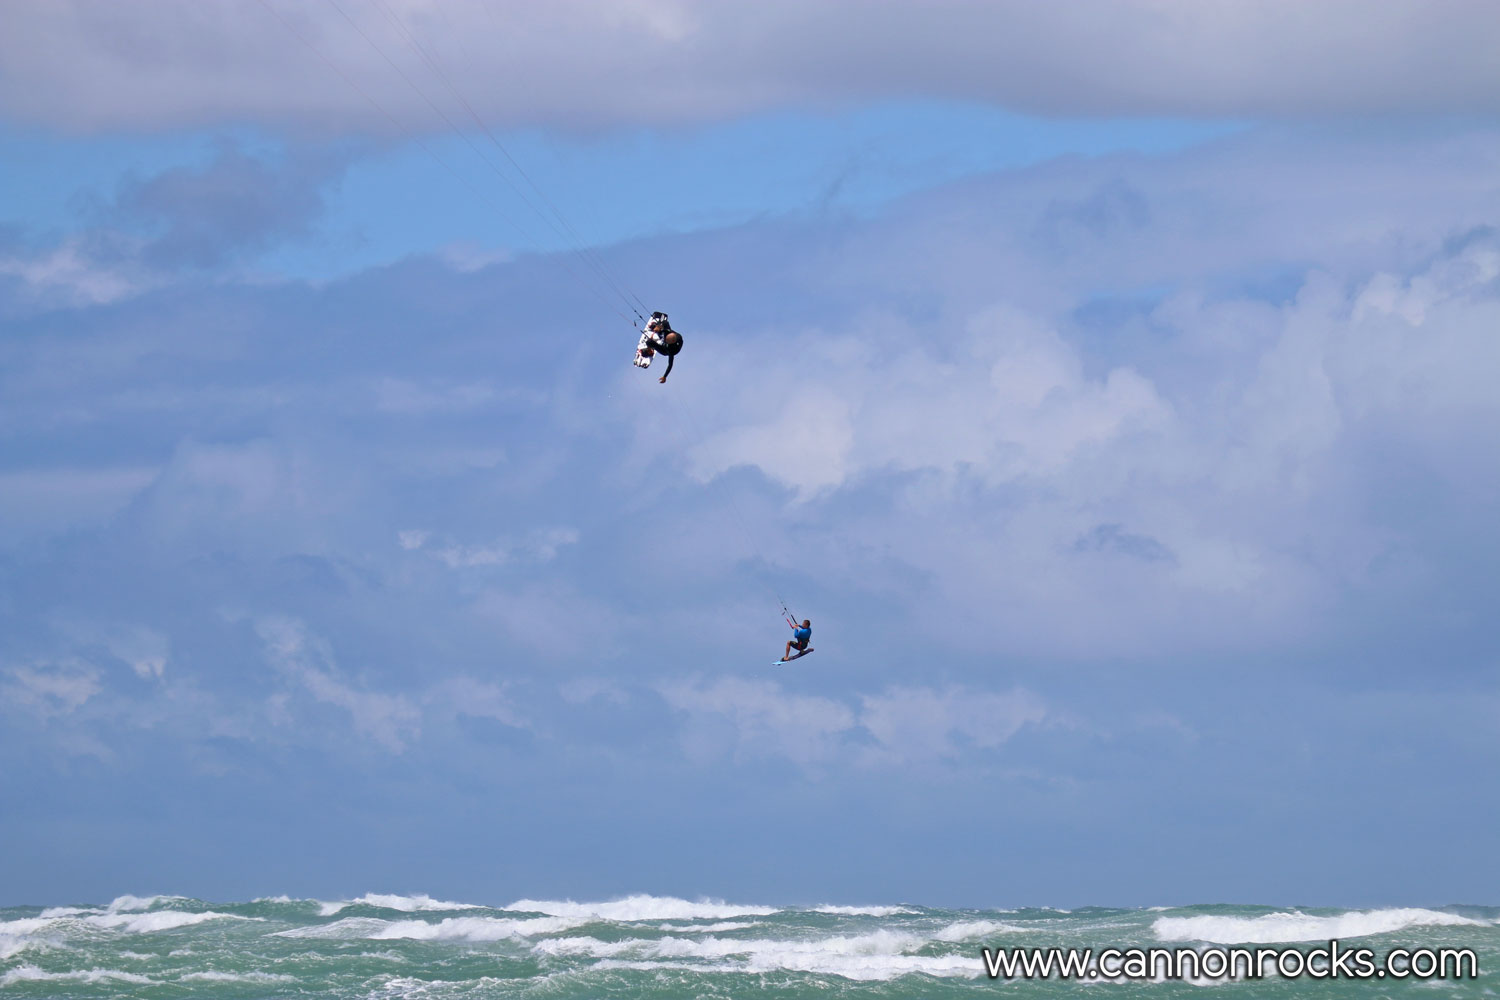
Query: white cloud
x,y
71,272
51,689
389,719
913,724
145,650
1056,502
589,62
412,539
764,720
481,699
759,718
538,546
1005,397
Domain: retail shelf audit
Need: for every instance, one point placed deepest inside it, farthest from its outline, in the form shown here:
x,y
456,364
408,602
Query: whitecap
x,y
30,974
1274,928
965,930
122,904
450,928
349,927
881,955
475,928
236,977
51,931
406,904
156,920
642,907
862,911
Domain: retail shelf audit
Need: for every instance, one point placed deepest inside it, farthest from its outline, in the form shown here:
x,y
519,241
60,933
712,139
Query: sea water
x,y
394,946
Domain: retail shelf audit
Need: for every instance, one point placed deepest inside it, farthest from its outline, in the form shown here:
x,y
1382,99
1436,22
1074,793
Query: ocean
x,y
384,947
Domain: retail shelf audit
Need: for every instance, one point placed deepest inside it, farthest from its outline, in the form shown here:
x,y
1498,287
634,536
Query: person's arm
x,y
670,359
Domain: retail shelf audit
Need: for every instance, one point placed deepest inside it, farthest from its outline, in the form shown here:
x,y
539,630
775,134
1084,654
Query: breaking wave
x,y
406,904
641,907
1279,928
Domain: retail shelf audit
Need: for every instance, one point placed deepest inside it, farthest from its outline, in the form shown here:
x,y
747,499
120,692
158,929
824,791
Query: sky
x,y
1112,385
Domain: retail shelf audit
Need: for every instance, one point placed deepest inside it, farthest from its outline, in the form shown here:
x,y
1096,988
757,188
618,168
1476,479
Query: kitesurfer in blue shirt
x,y
801,636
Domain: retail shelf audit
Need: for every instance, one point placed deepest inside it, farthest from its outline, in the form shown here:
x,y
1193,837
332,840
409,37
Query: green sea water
x,y
645,946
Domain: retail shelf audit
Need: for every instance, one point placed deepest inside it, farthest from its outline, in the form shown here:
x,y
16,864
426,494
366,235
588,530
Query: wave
x,y
449,929
715,928
881,955
965,930
156,920
127,904
236,977
475,928
642,907
48,931
345,929
862,911
32,974
406,904
1276,928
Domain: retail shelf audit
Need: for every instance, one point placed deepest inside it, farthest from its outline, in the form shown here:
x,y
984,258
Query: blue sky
x,y
1127,438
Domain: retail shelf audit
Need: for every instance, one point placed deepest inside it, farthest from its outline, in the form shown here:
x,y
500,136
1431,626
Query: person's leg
x,y
788,654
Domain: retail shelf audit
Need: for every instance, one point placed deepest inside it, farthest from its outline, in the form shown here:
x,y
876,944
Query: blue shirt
x,y
802,634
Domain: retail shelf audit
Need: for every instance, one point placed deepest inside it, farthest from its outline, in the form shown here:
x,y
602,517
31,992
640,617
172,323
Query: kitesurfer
x,y
801,636
659,338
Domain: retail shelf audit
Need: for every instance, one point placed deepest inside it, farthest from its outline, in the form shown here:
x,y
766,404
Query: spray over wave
x,y
1288,927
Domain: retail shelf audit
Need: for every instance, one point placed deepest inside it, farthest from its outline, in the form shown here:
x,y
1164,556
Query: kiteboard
x,y
789,659
643,360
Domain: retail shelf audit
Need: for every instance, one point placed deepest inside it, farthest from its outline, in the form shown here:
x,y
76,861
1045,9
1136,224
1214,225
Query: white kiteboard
x,y
643,360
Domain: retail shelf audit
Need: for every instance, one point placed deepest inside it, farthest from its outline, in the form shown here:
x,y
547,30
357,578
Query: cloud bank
x,y
662,63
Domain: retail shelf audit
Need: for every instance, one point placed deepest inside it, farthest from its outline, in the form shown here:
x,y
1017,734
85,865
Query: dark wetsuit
x,y
657,342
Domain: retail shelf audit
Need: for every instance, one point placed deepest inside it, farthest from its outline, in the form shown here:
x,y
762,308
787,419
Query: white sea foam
x,y
475,928
236,977
27,932
31,974
642,907
122,904
881,954
448,929
889,942
1274,928
347,928
862,911
965,930
53,931
157,920
857,967
68,911
869,967
406,904
715,928
412,904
